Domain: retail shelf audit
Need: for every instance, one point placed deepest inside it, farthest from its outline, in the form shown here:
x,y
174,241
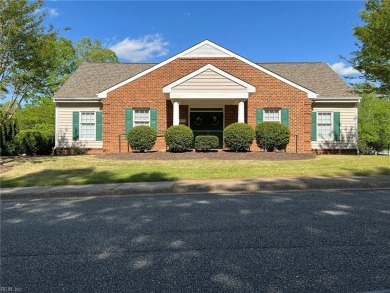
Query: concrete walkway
x,y
199,186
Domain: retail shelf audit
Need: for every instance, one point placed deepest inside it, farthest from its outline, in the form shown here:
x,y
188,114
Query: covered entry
x,y
205,87
207,121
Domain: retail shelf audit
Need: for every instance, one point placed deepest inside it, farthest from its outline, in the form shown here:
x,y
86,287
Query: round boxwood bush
x,y
206,142
271,135
238,136
179,138
142,138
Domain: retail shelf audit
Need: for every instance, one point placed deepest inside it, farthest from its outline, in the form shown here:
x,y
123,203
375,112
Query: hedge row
x,y
237,136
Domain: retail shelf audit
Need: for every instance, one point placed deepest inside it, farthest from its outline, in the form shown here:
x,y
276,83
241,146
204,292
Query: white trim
x,y
81,123
72,100
310,94
331,126
249,87
208,96
141,109
337,100
56,127
273,109
356,126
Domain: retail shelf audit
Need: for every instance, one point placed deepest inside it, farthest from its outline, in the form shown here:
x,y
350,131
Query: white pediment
x,y
209,81
205,50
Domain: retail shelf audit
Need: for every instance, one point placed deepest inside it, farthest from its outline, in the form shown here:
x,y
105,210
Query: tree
x,y
373,123
93,51
373,55
27,53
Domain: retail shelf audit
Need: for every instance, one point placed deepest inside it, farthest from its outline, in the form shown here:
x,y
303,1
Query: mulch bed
x,y
212,155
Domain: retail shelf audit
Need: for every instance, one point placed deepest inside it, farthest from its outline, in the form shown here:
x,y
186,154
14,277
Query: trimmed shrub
x,y
142,138
239,136
206,142
33,142
271,135
179,138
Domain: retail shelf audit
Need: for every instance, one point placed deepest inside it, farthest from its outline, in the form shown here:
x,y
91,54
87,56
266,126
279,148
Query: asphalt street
x,y
304,241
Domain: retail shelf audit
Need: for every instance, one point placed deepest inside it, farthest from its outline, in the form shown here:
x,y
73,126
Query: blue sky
x,y
261,31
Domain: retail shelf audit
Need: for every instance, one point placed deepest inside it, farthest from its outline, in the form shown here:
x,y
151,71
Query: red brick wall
x,y
146,92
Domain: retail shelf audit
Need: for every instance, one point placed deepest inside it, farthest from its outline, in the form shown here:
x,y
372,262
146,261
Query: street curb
x,y
251,185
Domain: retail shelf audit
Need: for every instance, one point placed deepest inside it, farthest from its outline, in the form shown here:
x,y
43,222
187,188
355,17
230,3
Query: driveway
x,y
311,241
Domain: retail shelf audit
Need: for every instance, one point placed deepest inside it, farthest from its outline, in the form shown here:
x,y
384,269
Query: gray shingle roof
x,y
318,77
92,78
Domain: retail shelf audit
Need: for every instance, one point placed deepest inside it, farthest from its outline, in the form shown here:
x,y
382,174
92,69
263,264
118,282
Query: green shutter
x,y
285,118
259,115
99,126
313,126
336,126
153,118
76,125
129,120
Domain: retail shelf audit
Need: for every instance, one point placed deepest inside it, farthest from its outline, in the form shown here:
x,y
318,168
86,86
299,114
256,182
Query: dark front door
x,y
207,123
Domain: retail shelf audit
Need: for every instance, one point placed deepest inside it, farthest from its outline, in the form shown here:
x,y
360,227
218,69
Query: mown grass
x,y
49,171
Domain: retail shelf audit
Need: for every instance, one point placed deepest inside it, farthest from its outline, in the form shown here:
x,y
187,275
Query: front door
x,y
207,122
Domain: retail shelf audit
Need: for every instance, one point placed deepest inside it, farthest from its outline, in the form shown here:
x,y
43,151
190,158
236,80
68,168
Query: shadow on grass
x,y
374,171
52,177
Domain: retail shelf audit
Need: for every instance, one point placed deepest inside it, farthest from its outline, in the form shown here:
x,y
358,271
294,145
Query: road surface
x,y
312,241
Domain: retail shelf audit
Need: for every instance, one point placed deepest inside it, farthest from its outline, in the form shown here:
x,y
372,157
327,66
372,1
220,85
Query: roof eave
x,y
338,99
81,100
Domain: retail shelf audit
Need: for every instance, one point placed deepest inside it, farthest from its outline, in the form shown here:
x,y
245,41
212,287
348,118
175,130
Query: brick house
x,y
205,87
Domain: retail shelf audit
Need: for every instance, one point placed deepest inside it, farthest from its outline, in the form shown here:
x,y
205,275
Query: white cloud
x,y
51,12
141,49
342,69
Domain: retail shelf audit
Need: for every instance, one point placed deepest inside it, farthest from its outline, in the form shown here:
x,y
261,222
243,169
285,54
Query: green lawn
x,y
48,171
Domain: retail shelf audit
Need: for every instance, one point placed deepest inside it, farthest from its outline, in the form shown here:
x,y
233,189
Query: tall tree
x,y
27,53
92,51
373,41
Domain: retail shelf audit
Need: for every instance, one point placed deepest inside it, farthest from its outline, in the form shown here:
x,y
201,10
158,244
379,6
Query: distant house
x,y
205,87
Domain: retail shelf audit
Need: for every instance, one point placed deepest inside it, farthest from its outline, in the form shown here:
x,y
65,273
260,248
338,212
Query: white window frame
x,y
275,110
135,121
331,137
81,124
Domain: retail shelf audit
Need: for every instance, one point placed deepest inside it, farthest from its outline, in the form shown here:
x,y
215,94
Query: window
x,y
87,125
272,115
324,126
141,117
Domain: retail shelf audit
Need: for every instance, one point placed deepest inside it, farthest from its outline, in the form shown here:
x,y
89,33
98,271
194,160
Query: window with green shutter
x,y
326,126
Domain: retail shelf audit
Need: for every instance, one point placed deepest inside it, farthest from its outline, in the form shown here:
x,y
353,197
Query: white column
x,y
241,112
176,120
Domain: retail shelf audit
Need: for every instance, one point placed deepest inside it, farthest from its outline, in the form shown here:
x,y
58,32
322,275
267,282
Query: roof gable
x,y
211,48
206,72
205,50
